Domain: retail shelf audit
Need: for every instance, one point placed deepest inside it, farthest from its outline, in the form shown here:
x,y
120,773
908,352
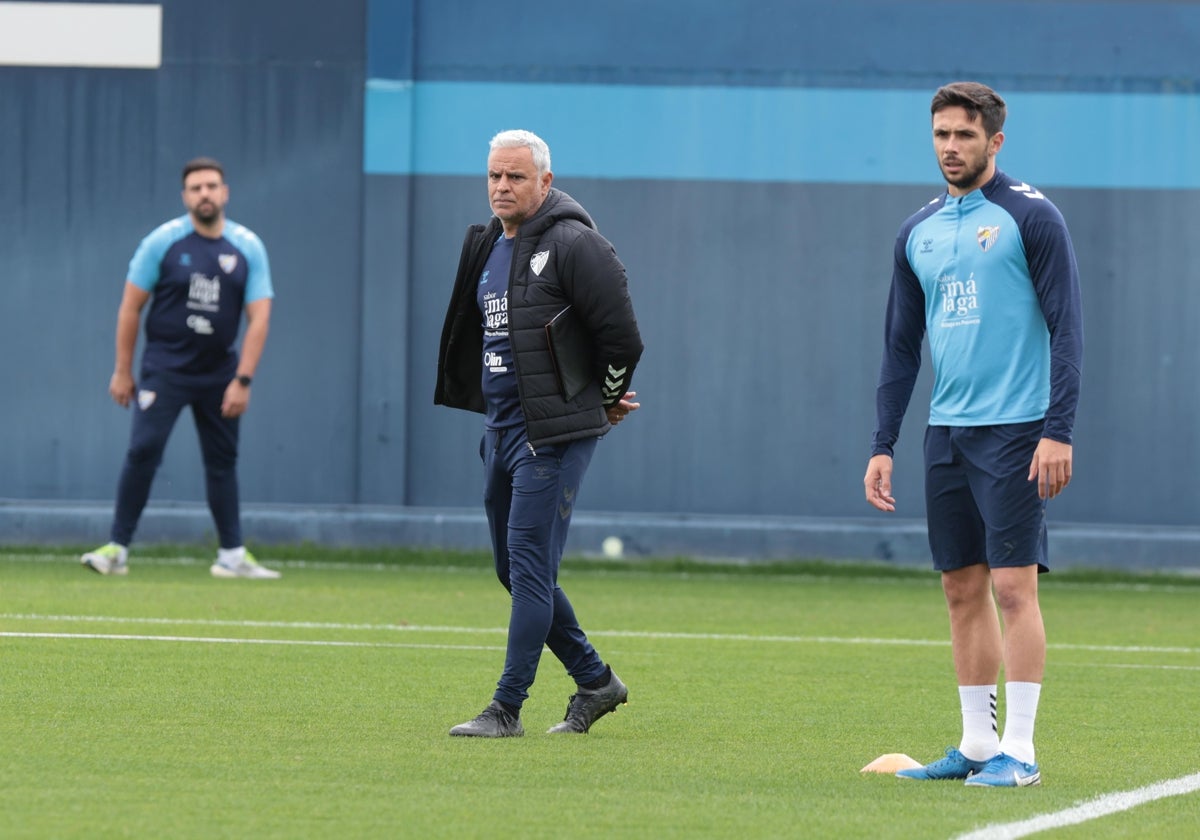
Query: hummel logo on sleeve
x,y
1027,191
614,382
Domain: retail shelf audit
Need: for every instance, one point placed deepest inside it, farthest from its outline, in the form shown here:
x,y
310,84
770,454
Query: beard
x,y
968,178
206,212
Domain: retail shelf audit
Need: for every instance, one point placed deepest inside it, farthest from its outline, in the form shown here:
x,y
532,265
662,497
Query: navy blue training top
x,y
500,392
991,277
199,287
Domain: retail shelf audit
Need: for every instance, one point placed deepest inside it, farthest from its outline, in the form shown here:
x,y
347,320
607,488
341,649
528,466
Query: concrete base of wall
x,y
747,539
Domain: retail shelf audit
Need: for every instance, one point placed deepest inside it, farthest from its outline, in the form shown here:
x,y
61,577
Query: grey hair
x,y
516,138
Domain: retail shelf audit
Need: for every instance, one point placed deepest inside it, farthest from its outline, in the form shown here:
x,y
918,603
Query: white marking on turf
x,y
359,566
628,634
1126,648
1144,667
219,622
123,637
1101,806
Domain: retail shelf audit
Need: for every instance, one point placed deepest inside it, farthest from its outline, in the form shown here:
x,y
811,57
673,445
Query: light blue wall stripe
x,y
388,131
805,135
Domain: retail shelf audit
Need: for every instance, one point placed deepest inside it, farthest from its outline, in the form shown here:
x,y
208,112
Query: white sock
x,y
231,556
124,552
979,740
1020,710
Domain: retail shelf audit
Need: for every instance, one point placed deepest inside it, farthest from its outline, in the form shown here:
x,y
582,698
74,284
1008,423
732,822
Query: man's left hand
x,y
1051,467
236,399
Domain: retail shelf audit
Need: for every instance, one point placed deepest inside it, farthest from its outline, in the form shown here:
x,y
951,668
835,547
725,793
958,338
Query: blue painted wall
x,y
93,162
752,166
751,163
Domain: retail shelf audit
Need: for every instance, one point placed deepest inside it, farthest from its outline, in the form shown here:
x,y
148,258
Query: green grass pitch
x,y
170,704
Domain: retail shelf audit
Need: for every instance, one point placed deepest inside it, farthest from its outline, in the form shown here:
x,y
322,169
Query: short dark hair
x,y
196,164
976,99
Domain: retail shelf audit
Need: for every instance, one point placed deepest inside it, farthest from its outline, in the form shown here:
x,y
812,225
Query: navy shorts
x,y
979,501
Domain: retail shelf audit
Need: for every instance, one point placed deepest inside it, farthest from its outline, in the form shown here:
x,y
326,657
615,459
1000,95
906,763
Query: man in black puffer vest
x,y
548,394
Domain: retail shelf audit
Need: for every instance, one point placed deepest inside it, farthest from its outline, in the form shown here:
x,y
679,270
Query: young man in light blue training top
x,y
987,270
198,272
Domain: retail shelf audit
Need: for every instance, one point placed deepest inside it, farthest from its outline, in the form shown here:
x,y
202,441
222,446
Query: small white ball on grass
x,y
612,547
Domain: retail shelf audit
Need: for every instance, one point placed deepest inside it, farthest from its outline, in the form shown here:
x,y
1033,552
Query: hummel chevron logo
x,y
1028,191
614,381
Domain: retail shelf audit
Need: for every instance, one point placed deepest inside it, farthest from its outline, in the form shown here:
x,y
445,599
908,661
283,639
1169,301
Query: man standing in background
x,y
198,272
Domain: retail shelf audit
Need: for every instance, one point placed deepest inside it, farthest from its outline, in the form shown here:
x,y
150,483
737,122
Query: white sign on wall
x,y
126,35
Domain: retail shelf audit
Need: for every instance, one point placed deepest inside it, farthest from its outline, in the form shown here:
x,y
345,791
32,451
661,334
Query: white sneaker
x,y
244,566
110,559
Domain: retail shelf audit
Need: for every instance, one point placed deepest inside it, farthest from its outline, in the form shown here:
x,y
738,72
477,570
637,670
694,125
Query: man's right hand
x,y
122,389
878,483
618,412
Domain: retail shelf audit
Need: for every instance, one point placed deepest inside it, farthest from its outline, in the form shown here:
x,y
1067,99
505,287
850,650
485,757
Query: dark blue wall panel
x,y
1032,45
391,38
764,330
385,339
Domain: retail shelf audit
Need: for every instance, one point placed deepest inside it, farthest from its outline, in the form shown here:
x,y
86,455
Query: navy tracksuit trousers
x,y
159,401
529,497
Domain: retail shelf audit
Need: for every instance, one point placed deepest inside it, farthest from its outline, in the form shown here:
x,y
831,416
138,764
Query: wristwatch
x,y
244,380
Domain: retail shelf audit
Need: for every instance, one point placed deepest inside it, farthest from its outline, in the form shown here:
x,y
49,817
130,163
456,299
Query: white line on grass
x,y
222,622
124,637
1127,665
629,634
1101,806
430,628
380,566
1125,648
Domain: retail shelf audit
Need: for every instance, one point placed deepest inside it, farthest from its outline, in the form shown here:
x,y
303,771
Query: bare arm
x,y
122,387
258,323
